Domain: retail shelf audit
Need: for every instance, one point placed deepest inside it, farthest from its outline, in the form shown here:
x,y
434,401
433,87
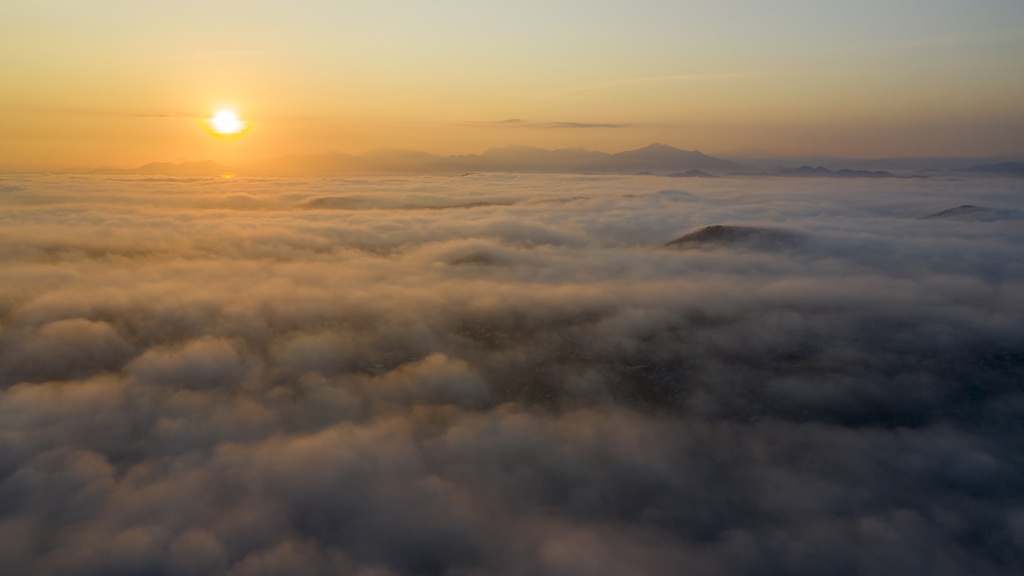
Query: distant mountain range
x,y
204,168
910,164
659,158
1002,168
822,172
655,159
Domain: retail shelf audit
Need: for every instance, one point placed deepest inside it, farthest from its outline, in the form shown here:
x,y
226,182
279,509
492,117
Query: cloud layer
x,y
509,374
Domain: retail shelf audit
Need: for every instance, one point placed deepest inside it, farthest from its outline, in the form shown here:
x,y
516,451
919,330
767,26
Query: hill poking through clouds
x,y
510,374
752,237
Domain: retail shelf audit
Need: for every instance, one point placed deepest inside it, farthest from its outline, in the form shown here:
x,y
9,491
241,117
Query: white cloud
x,y
530,383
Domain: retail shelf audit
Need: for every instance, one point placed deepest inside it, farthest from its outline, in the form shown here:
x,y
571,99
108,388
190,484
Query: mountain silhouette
x,y
658,158
972,213
911,164
1001,168
396,160
822,172
748,237
201,168
692,174
516,158
314,165
653,159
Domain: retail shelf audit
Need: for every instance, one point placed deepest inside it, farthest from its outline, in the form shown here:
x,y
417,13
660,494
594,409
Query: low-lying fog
x,y
511,375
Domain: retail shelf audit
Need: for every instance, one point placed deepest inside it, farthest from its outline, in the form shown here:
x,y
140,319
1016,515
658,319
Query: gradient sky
x,y
122,82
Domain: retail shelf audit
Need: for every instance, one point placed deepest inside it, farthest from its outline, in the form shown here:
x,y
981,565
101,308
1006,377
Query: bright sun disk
x,y
226,123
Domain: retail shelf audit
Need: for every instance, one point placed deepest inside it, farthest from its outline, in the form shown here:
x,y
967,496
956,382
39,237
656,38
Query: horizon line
x,y
731,155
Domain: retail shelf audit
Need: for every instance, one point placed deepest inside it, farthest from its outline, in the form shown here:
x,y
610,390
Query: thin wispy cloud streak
x,y
102,112
580,125
519,123
506,374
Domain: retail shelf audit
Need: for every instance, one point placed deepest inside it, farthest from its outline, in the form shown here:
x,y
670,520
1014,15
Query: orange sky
x,y
120,83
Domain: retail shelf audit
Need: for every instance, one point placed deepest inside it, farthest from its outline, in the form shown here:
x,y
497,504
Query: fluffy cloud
x,y
509,374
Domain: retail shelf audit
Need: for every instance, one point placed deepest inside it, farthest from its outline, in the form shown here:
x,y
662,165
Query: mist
x,y
511,375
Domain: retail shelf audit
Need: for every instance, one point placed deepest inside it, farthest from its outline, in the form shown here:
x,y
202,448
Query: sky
x,y
119,82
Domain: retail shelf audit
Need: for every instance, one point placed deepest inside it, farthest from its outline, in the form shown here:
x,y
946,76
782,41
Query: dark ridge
x,y
767,239
1001,168
970,212
335,203
678,196
560,200
692,174
847,173
822,172
451,206
355,203
658,159
202,168
475,258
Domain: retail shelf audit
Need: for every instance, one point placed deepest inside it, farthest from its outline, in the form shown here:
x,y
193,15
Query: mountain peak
x,y
659,146
660,159
187,168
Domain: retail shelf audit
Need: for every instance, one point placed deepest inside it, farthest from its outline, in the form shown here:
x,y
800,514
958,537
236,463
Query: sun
x,y
226,123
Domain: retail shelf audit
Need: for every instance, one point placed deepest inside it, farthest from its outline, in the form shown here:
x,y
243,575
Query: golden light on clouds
x,y
226,123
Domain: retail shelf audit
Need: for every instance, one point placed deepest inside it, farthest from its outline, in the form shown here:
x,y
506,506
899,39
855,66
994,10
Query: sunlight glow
x,y
226,123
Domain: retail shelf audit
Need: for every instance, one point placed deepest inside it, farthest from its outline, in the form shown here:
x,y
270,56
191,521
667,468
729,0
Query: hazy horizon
x,y
757,155
114,82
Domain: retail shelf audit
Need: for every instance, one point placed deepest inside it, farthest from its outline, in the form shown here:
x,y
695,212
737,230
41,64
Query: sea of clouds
x,y
511,375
